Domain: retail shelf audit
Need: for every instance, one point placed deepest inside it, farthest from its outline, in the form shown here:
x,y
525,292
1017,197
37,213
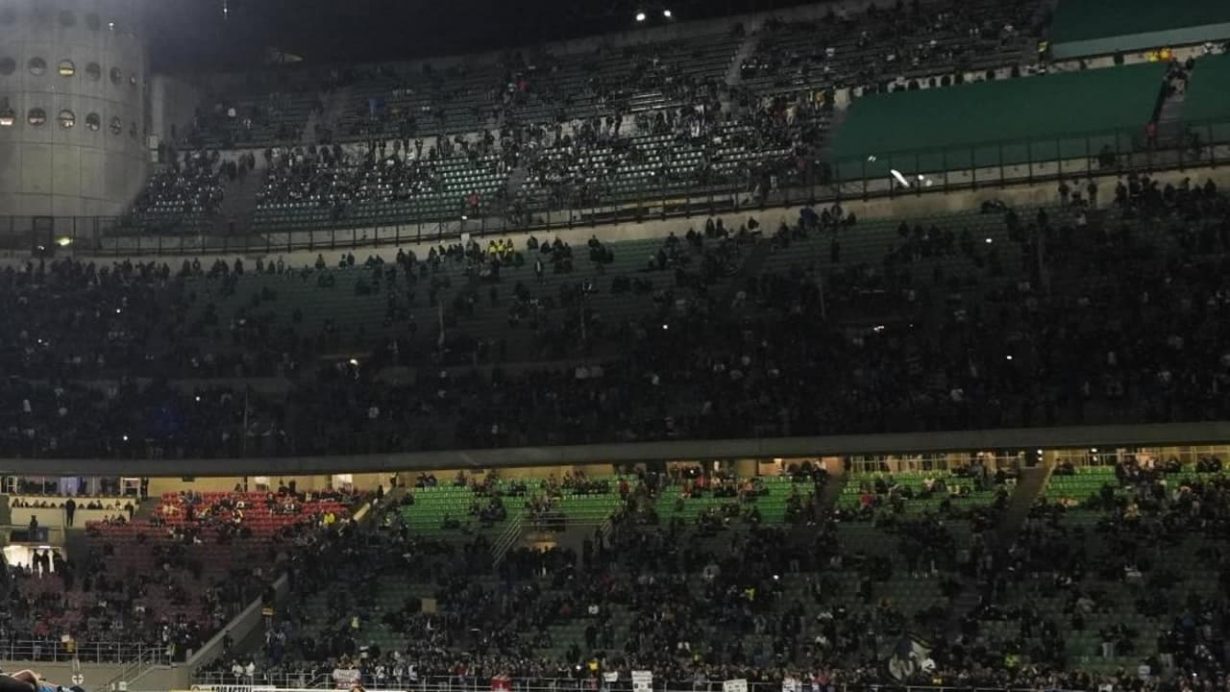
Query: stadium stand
x,y
898,554
171,579
1084,28
1004,569
1205,103
544,129
990,123
879,46
1077,597
262,111
928,319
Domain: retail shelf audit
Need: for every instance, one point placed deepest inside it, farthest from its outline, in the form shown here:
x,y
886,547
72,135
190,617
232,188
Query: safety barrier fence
x,y
887,174
57,651
294,683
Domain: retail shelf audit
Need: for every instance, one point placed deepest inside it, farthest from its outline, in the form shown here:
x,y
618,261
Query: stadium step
x,y
334,109
1029,487
239,204
146,508
734,73
832,491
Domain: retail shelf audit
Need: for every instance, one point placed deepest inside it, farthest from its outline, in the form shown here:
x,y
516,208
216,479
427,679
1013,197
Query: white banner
x,y
642,681
739,685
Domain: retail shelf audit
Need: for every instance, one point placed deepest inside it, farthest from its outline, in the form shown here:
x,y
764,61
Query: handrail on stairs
x,y
132,670
507,538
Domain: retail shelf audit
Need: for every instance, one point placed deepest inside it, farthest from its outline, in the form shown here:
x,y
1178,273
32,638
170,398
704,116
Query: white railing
x,y
85,652
225,681
507,539
135,669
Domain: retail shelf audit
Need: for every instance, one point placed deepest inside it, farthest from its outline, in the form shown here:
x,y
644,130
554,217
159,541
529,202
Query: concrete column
x,y
73,77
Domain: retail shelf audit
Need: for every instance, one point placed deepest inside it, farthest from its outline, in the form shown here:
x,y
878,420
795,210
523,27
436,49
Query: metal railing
x,y
1113,152
454,684
507,539
133,670
55,651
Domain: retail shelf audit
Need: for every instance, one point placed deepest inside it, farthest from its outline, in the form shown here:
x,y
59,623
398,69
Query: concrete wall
x,y
903,206
173,103
205,484
54,517
1135,42
767,448
85,169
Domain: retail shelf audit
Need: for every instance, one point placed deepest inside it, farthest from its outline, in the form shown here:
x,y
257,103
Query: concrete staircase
x,y
521,172
308,137
146,508
802,536
1170,117
1029,486
734,73
832,491
516,179
335,105
239,204
755,260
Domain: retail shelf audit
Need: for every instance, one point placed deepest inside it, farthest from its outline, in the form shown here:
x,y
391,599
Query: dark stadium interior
x,y
614,346
198,33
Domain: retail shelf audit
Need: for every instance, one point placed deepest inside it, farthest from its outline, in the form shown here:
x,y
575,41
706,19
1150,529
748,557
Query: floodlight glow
x,y
667,14
640,16
900,178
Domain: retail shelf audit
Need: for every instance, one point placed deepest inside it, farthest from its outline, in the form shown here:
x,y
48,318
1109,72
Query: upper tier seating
x,y
872,48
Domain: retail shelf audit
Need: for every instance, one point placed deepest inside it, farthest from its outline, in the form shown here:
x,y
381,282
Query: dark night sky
x,y
191,34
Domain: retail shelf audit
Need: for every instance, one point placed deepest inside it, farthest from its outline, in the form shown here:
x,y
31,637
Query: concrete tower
x,y
73,115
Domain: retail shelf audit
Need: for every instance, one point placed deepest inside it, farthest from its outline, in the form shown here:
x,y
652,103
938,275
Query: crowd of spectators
x,y
568,131
337,177
1082,315
188,189
168,581
900,45
700,602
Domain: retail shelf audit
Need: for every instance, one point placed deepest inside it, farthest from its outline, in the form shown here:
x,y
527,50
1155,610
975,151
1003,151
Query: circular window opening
x,y
93,71
116,75
117,126
93,122
7,66
67,18
7,117
36,117
68,119
93,22
37,66
66,68
132,80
